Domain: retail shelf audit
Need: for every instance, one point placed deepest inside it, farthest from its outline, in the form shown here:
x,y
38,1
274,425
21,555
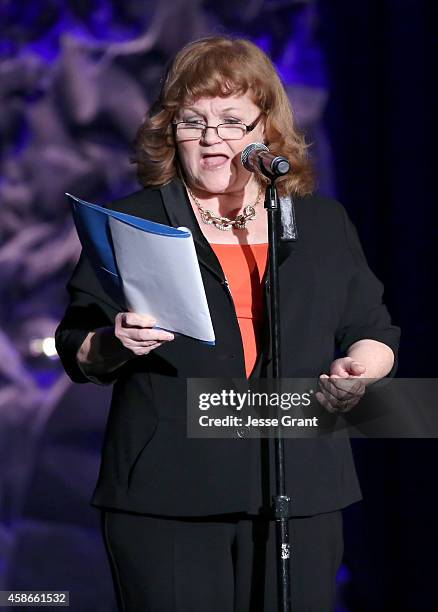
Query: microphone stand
x,y
281,500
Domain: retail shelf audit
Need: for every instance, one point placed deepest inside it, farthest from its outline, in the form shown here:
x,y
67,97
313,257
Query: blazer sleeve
x,y
89,309
365,315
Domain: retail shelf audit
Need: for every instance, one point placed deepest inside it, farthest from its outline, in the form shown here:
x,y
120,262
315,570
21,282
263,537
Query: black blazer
x,y
329,299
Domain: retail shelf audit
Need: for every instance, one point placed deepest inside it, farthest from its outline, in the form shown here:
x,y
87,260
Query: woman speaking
x,y
188,523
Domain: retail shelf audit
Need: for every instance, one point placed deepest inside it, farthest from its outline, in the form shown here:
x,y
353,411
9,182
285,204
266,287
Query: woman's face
x,y
210,163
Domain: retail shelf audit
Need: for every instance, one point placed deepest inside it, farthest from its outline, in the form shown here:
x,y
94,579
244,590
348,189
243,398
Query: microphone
x,y
256,157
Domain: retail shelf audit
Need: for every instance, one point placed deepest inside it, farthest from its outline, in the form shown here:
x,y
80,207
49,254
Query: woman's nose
x,y
210,135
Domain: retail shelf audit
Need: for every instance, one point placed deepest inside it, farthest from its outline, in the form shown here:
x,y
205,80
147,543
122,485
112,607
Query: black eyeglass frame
x,y
249,128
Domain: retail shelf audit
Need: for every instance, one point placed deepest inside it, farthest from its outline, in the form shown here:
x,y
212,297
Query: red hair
x,y
222,66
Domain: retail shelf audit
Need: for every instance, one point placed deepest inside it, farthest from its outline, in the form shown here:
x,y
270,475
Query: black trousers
x,y
224,563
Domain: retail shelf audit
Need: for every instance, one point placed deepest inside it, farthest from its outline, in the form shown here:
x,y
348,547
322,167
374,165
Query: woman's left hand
x,y
343,388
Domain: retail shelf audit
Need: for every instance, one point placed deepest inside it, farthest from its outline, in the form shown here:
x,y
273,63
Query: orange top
x,y
244,267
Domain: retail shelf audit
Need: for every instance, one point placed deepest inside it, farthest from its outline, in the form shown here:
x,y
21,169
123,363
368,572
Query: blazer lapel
x,y
180,214
285,250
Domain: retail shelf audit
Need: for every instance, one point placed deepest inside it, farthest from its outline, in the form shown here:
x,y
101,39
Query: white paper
x,y
161,277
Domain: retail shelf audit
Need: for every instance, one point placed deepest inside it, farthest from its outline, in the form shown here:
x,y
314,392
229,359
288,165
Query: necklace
x,y
224,223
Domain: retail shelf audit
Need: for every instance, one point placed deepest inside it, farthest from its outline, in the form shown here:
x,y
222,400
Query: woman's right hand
x,y
137,333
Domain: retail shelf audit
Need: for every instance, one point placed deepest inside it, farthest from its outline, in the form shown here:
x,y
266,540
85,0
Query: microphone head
x,y
254,146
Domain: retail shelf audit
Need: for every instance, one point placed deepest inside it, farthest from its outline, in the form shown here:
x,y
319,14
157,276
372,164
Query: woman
x,y
188,522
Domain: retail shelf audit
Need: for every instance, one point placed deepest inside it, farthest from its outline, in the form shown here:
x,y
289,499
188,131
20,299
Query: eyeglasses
x,y
194,130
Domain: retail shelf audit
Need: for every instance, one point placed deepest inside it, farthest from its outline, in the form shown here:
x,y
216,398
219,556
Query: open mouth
x,y
213,160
